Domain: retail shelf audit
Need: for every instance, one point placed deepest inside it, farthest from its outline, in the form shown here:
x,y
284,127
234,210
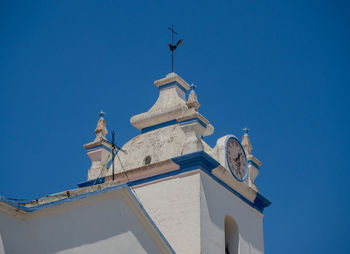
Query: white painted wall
x,y
216,203
190,211
11,230
100,224
173,205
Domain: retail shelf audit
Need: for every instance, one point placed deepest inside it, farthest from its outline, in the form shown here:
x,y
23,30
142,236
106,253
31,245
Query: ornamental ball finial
x,y
101,114
193,87
245,131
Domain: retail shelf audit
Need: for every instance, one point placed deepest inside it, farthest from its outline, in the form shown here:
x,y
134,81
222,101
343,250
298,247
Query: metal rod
x,y
113,149
173,46
172,52
172,34
172,61
116,147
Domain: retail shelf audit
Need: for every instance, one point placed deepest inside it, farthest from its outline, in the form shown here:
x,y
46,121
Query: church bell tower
x,y
203,199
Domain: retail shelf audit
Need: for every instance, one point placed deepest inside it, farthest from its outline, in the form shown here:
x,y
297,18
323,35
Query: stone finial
x,y
246,142
102,114
192,101
98,150
245,131
101,130
253,162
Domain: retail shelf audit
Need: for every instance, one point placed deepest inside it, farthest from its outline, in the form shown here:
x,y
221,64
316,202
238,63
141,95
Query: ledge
x,y
92,182
172,78
200,158
261,202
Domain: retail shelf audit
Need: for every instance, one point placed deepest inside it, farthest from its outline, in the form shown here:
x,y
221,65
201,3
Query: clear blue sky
x,y
279,67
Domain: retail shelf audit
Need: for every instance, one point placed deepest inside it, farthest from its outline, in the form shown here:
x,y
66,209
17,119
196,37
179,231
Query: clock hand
x,y
239,156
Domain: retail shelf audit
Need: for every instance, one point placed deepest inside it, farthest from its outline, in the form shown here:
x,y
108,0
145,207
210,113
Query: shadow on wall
x,y
231,235
216,204
1,245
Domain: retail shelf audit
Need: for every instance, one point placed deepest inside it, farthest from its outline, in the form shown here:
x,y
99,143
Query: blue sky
x,y
280,68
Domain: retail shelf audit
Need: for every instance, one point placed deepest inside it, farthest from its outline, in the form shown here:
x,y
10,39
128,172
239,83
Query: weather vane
x,y
173,46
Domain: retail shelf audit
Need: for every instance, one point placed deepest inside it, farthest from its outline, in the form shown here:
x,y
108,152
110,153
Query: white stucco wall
x,y
100,224
10,230
216,203
190,211
173,205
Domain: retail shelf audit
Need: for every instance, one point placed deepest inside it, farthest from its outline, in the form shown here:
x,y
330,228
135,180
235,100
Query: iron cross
x,y
173,46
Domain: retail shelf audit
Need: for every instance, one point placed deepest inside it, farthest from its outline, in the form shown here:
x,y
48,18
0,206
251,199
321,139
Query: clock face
x,y
236,158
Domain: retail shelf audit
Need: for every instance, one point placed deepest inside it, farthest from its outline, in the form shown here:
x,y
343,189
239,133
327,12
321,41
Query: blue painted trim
x,y
257,206
61,201
254,164
150,219
191,161
11,203
187,162
92,182
196,161
99,146
193,120
202,161
157,126
171,122
197,158
261,201
161,176
172,84
246,171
